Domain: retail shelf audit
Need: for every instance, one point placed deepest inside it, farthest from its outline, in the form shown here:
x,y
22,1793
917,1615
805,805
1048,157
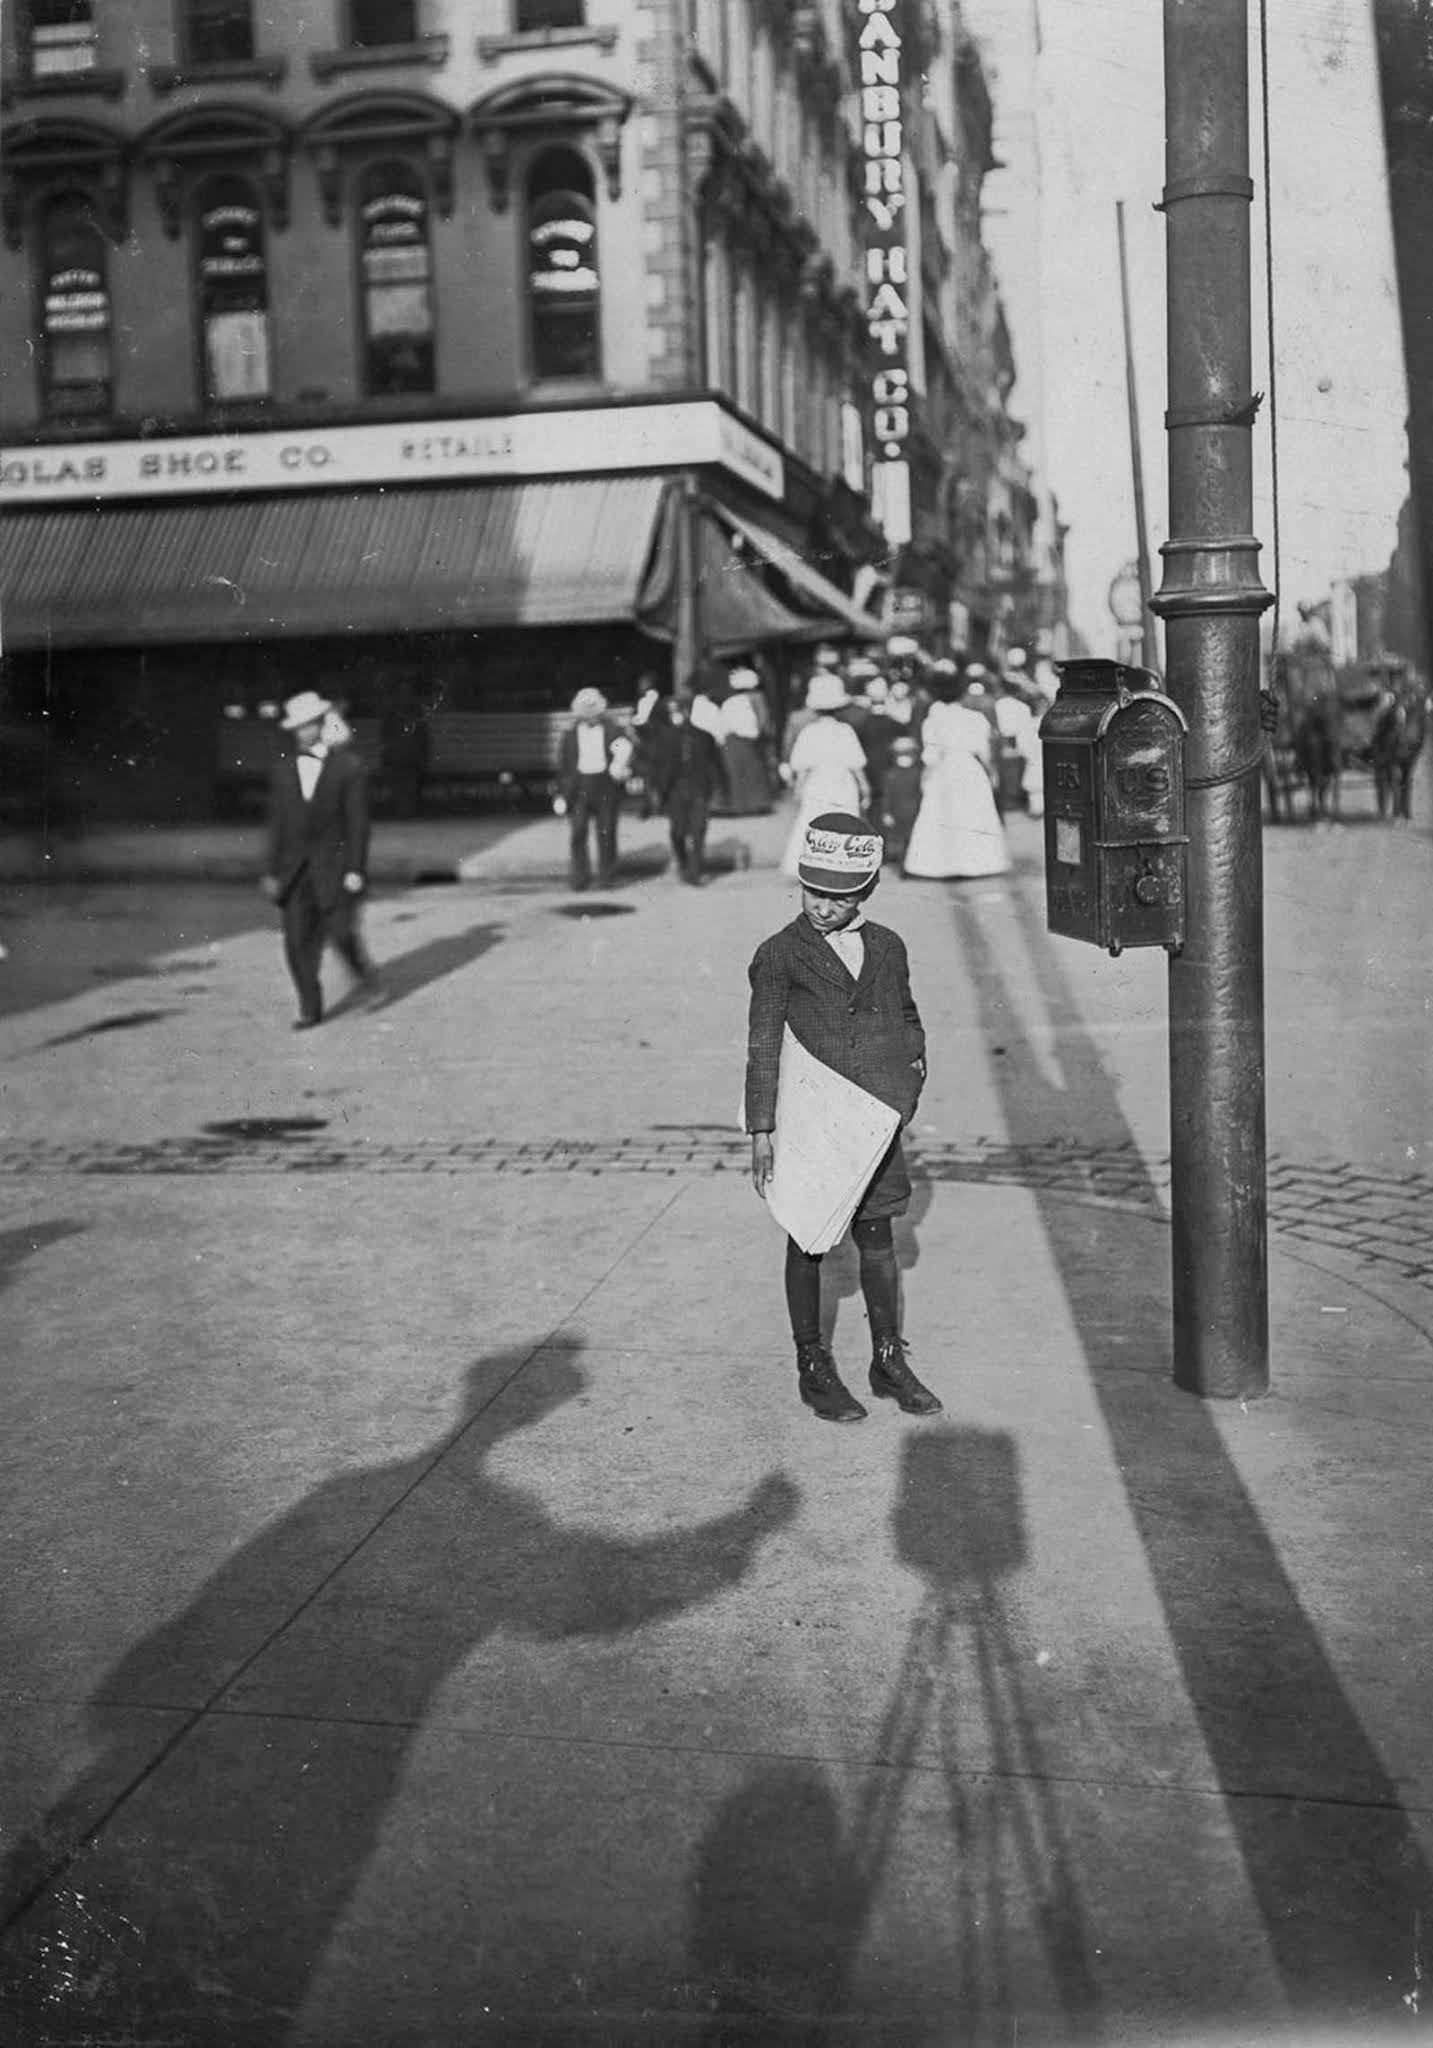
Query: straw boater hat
x,y
839,854
825,692
589,703
308,708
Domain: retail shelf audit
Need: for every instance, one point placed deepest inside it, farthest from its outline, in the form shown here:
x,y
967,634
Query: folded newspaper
x,y
829,1139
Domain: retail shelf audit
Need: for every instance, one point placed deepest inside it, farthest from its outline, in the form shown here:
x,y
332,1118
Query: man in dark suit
x,y
318,852
688,772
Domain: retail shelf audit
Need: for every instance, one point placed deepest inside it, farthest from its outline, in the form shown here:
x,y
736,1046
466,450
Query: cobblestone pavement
x,y
1379,1220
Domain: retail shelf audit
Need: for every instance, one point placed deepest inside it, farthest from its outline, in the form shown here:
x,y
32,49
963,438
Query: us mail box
x,y
1115,836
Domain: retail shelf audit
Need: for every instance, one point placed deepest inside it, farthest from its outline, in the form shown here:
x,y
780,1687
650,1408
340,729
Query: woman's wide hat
x,y
825,692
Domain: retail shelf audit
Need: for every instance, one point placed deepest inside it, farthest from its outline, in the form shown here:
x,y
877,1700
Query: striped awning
x,y
543,553
835,612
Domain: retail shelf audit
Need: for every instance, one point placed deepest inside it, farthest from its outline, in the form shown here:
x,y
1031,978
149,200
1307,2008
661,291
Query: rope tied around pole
x,y
1253,766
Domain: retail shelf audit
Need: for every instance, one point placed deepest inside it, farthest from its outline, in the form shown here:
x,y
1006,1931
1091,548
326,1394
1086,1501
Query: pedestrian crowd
x,y
931,753
927,753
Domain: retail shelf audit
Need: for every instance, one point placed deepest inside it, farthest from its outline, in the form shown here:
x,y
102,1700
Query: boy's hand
x,y
763,1161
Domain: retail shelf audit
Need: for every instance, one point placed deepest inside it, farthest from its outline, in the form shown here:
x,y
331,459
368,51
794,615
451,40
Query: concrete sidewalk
x,y
405,852
434,1619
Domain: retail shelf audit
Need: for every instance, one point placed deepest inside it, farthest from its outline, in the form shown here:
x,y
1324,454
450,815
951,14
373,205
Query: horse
x,y
1318,750
1400,728
1278,762
1309,736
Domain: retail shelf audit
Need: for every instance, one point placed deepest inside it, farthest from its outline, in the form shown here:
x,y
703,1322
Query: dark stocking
x,y
803,1292
880,1278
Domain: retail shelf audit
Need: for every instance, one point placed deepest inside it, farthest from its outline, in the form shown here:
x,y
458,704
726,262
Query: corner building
x,y
447,354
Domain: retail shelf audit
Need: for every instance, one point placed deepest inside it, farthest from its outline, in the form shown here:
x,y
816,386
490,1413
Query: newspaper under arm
x,y
829,1139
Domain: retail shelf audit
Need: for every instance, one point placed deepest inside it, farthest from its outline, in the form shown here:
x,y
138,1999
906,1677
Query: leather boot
x,y
893,1380
820,1386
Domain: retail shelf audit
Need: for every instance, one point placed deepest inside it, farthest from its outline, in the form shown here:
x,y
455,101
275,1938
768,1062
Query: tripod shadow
x,y
787,1888
1273,1715
190,1894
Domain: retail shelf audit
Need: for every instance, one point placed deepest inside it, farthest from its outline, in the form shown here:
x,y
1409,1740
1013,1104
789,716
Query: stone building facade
x,y
504,344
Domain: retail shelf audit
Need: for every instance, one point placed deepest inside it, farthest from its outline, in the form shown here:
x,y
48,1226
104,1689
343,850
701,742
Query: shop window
x,y
562,273
716,314
218,31
531,15
233,293
768,406
61,37
395,281
374,23
75,312
744,323
790,400
739,34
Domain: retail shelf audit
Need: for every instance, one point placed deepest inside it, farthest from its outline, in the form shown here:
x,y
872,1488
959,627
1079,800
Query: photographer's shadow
x,y
192,1894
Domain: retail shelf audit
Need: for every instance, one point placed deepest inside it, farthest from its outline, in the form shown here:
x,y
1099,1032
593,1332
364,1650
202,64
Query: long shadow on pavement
x,y
70,939
786,1886
1297,1770
22,1243
192,1899
405,974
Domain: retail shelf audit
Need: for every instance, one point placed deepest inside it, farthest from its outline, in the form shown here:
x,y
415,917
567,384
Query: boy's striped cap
x,y
839,854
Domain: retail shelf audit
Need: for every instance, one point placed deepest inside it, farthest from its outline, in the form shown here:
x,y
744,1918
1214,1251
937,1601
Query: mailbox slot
x,y
1114,809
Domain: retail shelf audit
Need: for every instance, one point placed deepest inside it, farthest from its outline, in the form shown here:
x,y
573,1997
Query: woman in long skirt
x,y
745,741
957,833
827,768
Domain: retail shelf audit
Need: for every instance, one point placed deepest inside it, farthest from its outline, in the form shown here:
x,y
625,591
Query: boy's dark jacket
x,y
868,1030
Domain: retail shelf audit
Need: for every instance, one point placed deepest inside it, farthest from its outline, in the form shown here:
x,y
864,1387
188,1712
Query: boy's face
x,y
827,913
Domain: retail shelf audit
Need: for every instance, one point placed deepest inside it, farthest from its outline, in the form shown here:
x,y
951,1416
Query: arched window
x,y
563,284
395,280
233,292
76,365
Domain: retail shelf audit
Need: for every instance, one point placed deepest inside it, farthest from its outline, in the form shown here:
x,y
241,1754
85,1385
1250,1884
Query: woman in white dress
x,y
827,764
957,832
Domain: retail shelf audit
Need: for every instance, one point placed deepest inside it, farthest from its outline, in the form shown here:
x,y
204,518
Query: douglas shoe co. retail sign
x,y
589,442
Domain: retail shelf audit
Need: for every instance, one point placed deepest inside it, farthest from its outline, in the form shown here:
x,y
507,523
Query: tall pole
x,y
1210,601
1136,456
687,652
1405,65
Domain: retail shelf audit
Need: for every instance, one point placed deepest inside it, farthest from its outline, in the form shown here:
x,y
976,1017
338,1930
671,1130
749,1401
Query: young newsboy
x,y
842,984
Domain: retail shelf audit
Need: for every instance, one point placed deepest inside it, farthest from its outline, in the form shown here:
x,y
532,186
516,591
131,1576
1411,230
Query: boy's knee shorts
x,y
890,1191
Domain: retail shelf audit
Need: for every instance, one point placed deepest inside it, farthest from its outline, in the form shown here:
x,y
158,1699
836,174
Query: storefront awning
x,y
834,613
737,609
543,553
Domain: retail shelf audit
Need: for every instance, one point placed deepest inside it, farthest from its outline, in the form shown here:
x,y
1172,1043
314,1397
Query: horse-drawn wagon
x,y
1367,718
